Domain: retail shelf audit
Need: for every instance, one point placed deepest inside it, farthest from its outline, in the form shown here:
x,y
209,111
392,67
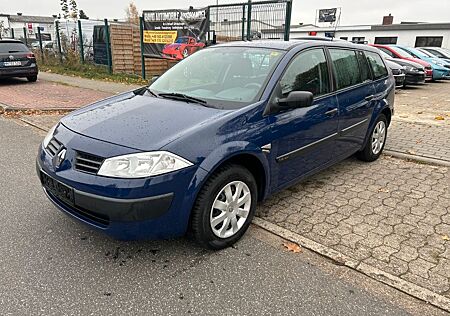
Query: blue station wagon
x,y
218,132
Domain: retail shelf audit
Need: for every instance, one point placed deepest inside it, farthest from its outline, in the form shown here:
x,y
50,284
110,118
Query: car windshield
x,y
225,77
427,53
415,52
182,40
10,47
401,52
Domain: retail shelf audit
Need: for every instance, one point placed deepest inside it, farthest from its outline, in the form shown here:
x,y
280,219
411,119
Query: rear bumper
x,y
19,71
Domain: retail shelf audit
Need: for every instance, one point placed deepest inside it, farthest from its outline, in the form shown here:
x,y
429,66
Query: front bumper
x,y
399,80
127,209
415,78
441,74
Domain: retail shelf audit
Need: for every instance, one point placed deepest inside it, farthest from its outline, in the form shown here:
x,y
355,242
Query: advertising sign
x,y
327,15
174,34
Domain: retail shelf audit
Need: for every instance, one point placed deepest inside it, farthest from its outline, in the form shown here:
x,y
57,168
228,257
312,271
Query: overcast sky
x,y
353,11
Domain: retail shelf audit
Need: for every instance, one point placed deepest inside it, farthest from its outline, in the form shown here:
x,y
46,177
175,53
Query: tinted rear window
x,y
346,67
378,68
9,47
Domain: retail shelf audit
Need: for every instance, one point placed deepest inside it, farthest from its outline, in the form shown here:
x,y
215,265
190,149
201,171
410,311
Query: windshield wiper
x,y
151,92
182,97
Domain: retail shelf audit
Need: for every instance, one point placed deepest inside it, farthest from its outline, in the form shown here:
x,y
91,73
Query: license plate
x,y
12,63
58,189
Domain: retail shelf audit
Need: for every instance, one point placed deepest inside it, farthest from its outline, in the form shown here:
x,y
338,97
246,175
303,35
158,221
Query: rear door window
x,y
307,72
346,68
9,48
364,67
376,63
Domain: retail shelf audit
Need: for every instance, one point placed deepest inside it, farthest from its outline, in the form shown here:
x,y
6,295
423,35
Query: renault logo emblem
x,y
11,57
59,158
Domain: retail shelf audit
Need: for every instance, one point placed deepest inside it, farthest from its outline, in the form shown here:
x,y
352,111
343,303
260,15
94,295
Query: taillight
x,y
30,55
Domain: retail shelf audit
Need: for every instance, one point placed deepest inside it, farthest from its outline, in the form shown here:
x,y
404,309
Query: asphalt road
x,y
51,264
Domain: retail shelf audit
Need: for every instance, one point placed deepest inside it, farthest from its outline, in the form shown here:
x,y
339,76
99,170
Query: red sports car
x,y
182,48
395,52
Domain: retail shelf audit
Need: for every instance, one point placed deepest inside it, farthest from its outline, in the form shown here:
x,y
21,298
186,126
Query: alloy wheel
x,y
230,209
378,137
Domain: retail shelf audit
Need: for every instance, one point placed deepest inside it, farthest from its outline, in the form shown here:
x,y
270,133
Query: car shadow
x,y
12,81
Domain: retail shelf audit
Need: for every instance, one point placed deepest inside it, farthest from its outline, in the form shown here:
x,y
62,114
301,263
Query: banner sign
x,y
327,15
174,34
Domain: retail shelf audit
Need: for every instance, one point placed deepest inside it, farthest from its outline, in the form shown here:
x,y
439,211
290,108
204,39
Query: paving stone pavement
x,y
20,94
420,139
391,214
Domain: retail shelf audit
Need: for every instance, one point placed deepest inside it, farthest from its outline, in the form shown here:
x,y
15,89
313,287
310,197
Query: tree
x,y
83,15
64,8
132,13
73,9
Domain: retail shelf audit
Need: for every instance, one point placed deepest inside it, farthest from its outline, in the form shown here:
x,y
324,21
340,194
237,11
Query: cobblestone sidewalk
x,y
424,140
391,214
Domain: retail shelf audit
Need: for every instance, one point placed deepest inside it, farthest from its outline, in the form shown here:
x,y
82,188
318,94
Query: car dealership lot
x,y
392,214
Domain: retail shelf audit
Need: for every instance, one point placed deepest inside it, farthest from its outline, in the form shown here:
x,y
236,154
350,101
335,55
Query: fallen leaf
x,y
384,190
439,118
411,152
421,112
293,247
445,237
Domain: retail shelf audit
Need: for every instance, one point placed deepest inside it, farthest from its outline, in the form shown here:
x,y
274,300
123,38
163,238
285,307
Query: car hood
x,y
140,122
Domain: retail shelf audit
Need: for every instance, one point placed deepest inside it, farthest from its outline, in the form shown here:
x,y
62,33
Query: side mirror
x,y
153,79
296,99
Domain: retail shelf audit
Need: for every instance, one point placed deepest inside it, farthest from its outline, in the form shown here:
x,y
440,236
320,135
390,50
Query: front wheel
x,y
224,207
377,139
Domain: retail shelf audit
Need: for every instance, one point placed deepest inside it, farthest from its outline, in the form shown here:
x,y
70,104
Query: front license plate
x,y
12,63
58,189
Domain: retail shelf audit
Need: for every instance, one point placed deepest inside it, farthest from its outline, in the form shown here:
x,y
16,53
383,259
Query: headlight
x,y
49,136
142,165
438,63
411,68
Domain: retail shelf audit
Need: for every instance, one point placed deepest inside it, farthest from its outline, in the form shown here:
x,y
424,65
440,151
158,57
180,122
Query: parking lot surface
x,y
20,94
53,265
392,214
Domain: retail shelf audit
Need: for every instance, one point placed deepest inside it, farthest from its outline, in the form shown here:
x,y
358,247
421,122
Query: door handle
x,y
369,98
331,112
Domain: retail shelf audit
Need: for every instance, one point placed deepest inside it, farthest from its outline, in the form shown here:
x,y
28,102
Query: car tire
x,y
215,192
376,141
32,78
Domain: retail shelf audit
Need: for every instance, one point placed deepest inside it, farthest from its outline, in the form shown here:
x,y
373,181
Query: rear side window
x,y
346,68
307,72
376,63
9,47
364,67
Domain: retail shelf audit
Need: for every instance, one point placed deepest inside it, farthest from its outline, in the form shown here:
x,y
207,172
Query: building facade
x,y
19,26
408,34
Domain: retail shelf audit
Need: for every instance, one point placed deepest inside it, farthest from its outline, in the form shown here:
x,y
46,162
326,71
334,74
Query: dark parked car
x,y
414,72
229,126
16,60
398,72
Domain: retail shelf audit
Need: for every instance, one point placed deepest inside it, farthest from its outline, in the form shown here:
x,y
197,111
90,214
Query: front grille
x,y
87,163
53,146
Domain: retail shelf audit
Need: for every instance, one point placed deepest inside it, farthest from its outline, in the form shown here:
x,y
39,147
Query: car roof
x,y
291,44
10,41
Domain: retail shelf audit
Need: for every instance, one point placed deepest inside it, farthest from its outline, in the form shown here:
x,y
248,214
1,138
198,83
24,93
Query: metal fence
x,y
251,20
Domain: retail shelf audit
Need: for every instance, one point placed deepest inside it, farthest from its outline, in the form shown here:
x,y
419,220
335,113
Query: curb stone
x,y
372,272
421,159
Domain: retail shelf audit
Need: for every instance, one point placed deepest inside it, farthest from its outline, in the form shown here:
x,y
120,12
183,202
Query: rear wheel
x,y
377,139
224,208
32,78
